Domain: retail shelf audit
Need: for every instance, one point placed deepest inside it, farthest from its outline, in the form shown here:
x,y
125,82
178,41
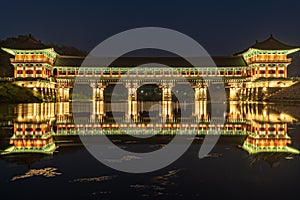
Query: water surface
x,y
255,157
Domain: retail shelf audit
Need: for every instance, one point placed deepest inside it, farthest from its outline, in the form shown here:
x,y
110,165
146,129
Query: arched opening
x,y
149,98
115,97
183,97
115,93
149,92
55,72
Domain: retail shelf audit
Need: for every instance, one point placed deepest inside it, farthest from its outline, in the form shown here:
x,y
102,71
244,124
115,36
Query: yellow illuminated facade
x,y
35,126
32,63
33,129
247,76
268,59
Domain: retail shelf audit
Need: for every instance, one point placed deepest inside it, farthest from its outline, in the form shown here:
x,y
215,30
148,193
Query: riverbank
x,y
286,94
11,93
291,108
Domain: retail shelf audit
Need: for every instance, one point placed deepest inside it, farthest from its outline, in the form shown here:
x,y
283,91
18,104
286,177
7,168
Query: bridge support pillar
x,y
200,92
98,113
132,109
63,94
200,101
243,95
248,94
200,110
233,93
66,94
42,92
167,108
98,91
53,93
49,95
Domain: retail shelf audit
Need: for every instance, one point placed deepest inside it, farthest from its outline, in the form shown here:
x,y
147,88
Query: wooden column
x,y
167,101
285,72
15,72
132,110
24,72
34,72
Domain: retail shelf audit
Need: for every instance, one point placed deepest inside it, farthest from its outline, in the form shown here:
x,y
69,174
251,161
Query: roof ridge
x,y
70,56
270,43
272,38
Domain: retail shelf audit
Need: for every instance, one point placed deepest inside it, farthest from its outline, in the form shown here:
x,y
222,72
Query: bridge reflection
x,y
36,125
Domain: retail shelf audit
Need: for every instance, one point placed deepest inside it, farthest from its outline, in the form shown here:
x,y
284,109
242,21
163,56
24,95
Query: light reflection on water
x,y
36,126
46,172
255,140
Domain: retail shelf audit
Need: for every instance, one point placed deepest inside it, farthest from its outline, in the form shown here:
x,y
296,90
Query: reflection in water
x,y
96,179
149,190
268,137
46,172
123,159
33,130
158,184
165,179
35,125
213,155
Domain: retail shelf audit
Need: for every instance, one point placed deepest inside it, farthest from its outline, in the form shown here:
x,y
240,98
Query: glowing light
x,y
265,89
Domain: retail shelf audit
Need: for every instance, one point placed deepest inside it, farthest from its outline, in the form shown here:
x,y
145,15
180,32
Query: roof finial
x,y
256,41
271,35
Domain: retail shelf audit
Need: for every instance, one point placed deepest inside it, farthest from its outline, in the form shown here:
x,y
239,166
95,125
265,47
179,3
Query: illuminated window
x,y
271,129
272,72
72,72
90,72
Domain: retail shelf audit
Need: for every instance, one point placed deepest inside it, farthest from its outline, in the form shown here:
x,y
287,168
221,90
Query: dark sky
x,y
222,27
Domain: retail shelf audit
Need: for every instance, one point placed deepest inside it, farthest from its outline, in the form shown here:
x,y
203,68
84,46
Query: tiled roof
x,y
220,61
68,61
270,44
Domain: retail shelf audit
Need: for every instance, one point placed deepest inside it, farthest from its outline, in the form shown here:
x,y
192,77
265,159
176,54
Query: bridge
x,y
250,75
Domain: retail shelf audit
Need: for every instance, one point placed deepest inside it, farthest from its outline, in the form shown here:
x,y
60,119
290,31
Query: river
x,y
43,157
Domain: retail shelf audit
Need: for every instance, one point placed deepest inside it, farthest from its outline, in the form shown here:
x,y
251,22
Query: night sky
x,y
222,27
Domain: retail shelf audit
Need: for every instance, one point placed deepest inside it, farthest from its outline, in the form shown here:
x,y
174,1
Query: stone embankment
x,y
291,94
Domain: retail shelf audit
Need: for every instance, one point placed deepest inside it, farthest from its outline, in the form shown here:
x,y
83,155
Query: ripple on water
x,y
124,158
214,155
148,190
45,172
160,183
93,179
166,178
